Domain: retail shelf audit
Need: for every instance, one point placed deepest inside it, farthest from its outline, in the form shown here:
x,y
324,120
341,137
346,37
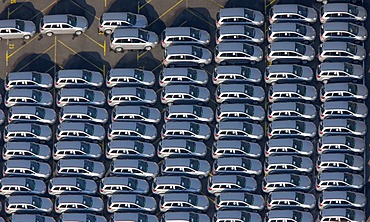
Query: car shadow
x,y
123,6
87,60
155,24
36,62
22,10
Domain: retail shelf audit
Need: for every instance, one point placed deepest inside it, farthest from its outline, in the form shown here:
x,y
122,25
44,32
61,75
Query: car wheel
x,y
253,62
119,49
148,48
78,32
149,178
49,34
200,177
304,61
26,37
201,65
108,32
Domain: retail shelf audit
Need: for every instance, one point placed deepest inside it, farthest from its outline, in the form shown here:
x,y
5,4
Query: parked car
x,y
77,78
184,36
27,79
342,12
63,24
186,75
239,16
129,77
292,13
17,29
186,55
110,21
132,39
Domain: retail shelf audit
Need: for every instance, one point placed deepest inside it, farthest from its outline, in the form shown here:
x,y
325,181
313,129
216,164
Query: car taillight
x,y
318,186
319,149
321,204
217,134
101,190
161,81
7,86
218,97
162,41
4,155
217,206
209,188
167,118
322,115
57,208
109,135
162,207
154,190
108,82
267,152
321,132
159,152
218,117
9,119
59,102
318,77
56,83
42,29
269,205
6,102
318,167
270,116
101,26
264,188
322,97
163,135
270,134
163,98
270,97
50,191
61,119
55,155
267,78
110,101
266,169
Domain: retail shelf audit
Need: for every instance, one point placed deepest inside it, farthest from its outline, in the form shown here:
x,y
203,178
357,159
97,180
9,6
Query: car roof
x,y
125,197
118,72
234,125
333,157
126,163
335,7
178,125
7,23
177,196
107,16
125,90
284,106
286,159
285,87
71,198
284,124
181,108
178,88
73,125
336,26
65,180
126,32
178,162
26,127
336,105
233,161
234,87
273,178
14,180
335,45
22,92
230,12
285,8
73,92
179,49
27,199
234,107
225,178
232,46
330,176
285,195
336,122
13,76
72,162
169,180
55,18
334,194
283,46
178,31
233,29
332,65
233,69
230,196
284,26
117,180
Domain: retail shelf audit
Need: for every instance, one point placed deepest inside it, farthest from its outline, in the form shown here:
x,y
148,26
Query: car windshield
x,y
194,91
249,90
140,200
194,128
297,70
352,107
247,128
196,52
249,31
19,24
300,48
352,88
195,33
193,217
88,165
140,128
246,163
40,112
72,20
352,28
350,141
197,110
352,9
245,71
192,74
300,108
351,125
30,184
87,201
90,218
302,11
240,181
35,166
140,93
143,34
348,68
36,95
86,75
89,94
248,49
39,218
89,129
245,146
85,147
300,197
351,197
192,199
139,147
139,74
131,18
300,29
348,159
190,145
296,161
297,144
144,111
294,179
34,148
194,164
350,214
248,198
301,126
351,48
80,183
132,183
143,165
35,129
348,178
248,14
185,182
36,77
92,111
142,218
249,109
297,216
301,90
36,201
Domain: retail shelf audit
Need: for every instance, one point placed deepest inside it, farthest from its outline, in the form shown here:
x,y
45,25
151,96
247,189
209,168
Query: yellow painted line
x,y
141,54
55,52
11,46
9,13
213,25
218,4
160,64
207,72
80,55
147,2
105,48
44,9
36,57
271,3
6,57
212,200
104,70
168,10
35,37
97,18
105,3
93,40
13,1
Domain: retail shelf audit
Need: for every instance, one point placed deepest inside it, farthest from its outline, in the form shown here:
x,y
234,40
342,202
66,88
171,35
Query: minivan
x,y
288,163
132,39
110,21
239,93
341,51
292,92
339,162
31,168
76,149
131,95
283,73
291,129
186,130
63,24
176,184
341,214
343,31
342,144
236,215
292,13
224,183
127,185
135,113
129,149
132,167
185,75
80,167
21,185
290,200
129,77
343,91
77,78
343,109
83,113
36,114
28,97
235,148
238,130
339,71
237,165
28,204
132,130
131,203
340,199
236,74
25,150
184,36
237,53
285,182
339,181
291,110
181,148
287,31
78,203
186,55
239,33
342,12
239,16
28,79
27,132
289,51
248,112
288,216
239,200
76,96
80,131
71,185
185,166
288,146
183,202
345,127
188,113
185,94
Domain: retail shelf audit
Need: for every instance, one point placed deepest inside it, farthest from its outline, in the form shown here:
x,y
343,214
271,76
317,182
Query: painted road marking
x,y
164,13
36,58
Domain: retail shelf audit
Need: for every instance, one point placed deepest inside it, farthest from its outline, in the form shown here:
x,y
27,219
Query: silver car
x,y
289,146
135,113
184,35
134,167
185,166
345,127
186,55
230,183
17,29
129,149
81,113
225,112
22,185
238,130
183,202
292,92
184,216
184,94
237,165
341,51
80,131
342,12
235,148
37,114
71,185
236,74
237,53
340,144
76,150
239,33
290,51
131,130
129,77
339,71
286,31
31,218
26,132
182,76
67,217
288,164
285,182
63,24
339,162
181,148
131,95
343,109
231,215
239,200
239,16
80,97
339,181
289,215
110,21
80,167
291,110
28,168
132,39
331,199
291,129
343,91
25,150
342,214
78,203
342,31
28,97
28,79
292,13
288,73
186,130
239,93
131,203
126,185
28,204
77,78
188,113
290,200
176,184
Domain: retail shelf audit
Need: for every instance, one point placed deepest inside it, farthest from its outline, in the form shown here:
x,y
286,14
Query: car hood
x,y
255,165
99,97
310,51
195,184
82,22
255,75
360,199
312,14
362,32
203,93
310,128
95,149
361,52
29,26
307,72
204,130
203,201
47,204
257,52
362,90
151,95
142,185
362,13
250,183
202,76
310,31
150,203
91,185
99,168
207,113
141,21
40,185
153,38
204,166
357,180
99,131
97,203
359,143
204,36
306,163
44,151
358,161
359,216
258,17
305,181
149,77
155,114
153,168
151,131
310,110
258,201
102,114
46,98
96,77
50,114
307,146
257,130
206,54
45,169
311,92
307,217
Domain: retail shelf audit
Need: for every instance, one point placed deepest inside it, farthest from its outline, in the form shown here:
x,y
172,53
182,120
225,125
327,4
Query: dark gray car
x,y
135,113
80,97
129,149
235,148
114,185
184,75
236,74
188,113
285,182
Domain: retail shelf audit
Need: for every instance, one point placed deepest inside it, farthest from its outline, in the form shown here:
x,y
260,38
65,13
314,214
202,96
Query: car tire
x,y
149,178
304,61
108,32
253,62
26,37
201,65
119,49
148,48
49,34
78,32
